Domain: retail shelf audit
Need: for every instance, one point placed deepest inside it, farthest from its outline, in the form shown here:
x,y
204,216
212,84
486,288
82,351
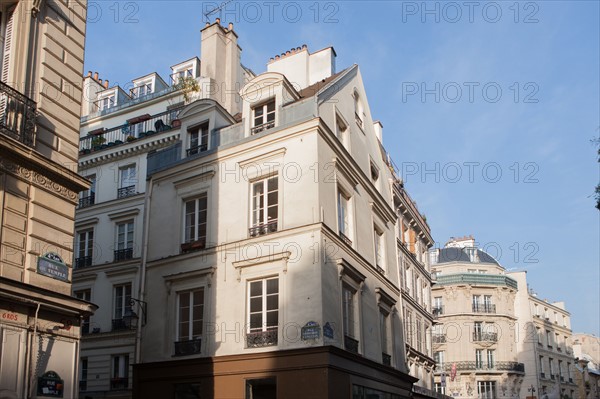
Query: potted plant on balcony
x,y
130,138
97,142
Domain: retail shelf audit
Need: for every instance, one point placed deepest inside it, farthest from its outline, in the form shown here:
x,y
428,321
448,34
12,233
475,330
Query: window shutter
x,y
8,37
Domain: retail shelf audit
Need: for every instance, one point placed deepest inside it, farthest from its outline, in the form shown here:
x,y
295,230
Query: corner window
x,y
198,139
196,214
85,248
263,116
190,317
344,229
265,200
263,312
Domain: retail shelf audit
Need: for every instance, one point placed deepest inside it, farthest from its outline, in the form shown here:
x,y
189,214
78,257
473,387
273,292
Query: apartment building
x,y
586,349
40,95
545,344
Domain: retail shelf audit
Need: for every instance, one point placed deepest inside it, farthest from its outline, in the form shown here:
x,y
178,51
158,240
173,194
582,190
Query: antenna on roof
x,y
218,9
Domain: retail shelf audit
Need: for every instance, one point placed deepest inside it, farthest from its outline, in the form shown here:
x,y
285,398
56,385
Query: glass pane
x,y
197,328
272,318
271,106
272,302
272,286
256,304
256,320
272,184
184,331
256,288
272,199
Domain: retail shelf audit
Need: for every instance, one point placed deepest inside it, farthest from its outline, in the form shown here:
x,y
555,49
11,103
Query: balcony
x,y
123,254
437,311
196,150
542,375
189,347
438,338
263,228
475,366
261,338
345,238
350,344
192,246
476,279
485,337
83,261
264,126
17,115
119,325
90,200
485,308
386,359
125,192
119,383
132,130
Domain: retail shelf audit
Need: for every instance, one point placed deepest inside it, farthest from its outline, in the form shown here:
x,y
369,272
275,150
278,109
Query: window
x,y
141,90
196,214
478,358
374,174
83,373
7,44
486,389
106,102
538,332
408,326
487,303
419,328
551,367
265,200
263,312
440,387
264,388
379,249
88,197
349,318
477,331
127,181
490,359
120,372
438,306
542,368
85,249
124,245
549,338
439,359
122,306
383,330
190,314
560,373
85,295
264,116
343,203
341,131
358,110
198,139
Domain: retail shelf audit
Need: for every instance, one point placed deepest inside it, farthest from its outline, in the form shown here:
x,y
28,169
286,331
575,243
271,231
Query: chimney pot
x,y
271,59
287,52
106,84
89,74
218,20
298,48
231,26
304,46
207,23
277,57
95,75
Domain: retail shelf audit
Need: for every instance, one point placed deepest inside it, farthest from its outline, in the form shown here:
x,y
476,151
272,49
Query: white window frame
x,y
264,312
191,333
265,123
199,224
85,237
349,311
122,293
344,213
256,220
491,359
128,235
384,330
486,389
438,356
128,176
479,359
379,246
120,367
198,138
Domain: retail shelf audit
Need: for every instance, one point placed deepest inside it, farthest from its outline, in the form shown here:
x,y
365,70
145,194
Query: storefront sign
x,y
50,384
312,330
52,265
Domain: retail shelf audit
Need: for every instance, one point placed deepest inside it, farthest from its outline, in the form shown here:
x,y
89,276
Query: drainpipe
x,y
142,280
32,365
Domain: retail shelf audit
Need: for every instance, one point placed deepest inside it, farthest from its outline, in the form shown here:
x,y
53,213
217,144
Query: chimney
x,y
378,127
95,75
230,27
89,75
106,84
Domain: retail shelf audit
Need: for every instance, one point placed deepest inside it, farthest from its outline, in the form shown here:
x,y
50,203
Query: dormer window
x,y
141,90
106,102
198,139
263,116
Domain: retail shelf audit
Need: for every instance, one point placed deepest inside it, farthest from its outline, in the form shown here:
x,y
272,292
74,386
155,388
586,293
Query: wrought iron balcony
x,y
386,359
350,344
261,338
484,308
476,279
263,229
17,115
193,245
189,347
125,192
197,149
438,338
437,311
264,126
123,254
119,325
119,383
83,261
485,336
87,201
474,365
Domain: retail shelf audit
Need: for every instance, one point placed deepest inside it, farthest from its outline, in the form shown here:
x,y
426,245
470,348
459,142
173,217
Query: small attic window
x,y
374,172
263,116
358,109
141,89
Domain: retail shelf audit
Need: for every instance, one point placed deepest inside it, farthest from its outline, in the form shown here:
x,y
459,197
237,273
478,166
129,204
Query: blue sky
x,y
488,109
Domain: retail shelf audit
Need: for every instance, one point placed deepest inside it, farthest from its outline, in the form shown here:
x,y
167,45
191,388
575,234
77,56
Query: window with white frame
x,y
142,89
344,216
384,332
85,248
190,319
121,306
358,109
124,242
263,312
490,359
106,102
84,295
440,387
196,215
486,389
341,131
408,327
542,367
120,372
379,248
438,306
478,358
419,328
88,197
439,359
549,338
198,139
263,116
265,206
349,318
127,181
551,367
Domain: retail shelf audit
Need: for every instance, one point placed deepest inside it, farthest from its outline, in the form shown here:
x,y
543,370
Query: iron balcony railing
x,y
386,359
476,279
17,115
264,126
485,336
83,261
474,365
83,385
119,383
188,347
484,308
125,192
123,254
350,344
438,338
264,228
437,311
196,150
87,201
119,325
261,338
101,139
